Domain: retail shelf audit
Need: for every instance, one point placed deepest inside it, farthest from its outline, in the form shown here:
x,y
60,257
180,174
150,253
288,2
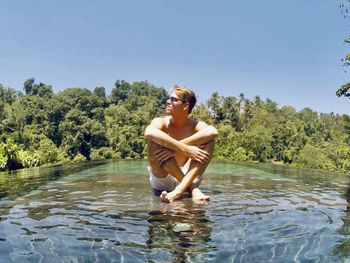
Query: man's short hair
x,y
187,96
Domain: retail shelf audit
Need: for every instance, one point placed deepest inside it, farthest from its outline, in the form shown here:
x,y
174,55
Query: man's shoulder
x,y
199,124
161,120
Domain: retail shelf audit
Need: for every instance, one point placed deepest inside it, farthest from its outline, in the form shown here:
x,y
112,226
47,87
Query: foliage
x,y
9,158
260,131
103,154
312,157
229,145
344,90
76,124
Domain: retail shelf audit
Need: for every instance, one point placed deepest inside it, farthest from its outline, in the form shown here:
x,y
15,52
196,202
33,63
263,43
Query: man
x,y
179,148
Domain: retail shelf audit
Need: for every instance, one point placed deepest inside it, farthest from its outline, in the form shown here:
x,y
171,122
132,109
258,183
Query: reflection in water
x,y
181,228
21,182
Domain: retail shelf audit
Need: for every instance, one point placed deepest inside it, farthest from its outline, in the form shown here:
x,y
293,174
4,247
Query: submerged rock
x,y
182,227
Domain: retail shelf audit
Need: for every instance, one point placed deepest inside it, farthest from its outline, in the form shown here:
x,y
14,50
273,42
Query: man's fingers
x,y
199,160
163,156
204,155
158,151
205,152
202,159
160,154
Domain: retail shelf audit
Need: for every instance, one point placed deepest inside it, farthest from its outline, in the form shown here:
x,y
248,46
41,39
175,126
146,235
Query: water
x,y
106,212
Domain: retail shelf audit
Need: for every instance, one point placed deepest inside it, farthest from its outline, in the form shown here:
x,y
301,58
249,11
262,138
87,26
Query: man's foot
x,y
170,197
163,196
197,195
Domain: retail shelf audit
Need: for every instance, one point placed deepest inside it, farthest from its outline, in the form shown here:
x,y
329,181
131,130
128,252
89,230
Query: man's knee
x,y
209,147
210,144
159,167
151,147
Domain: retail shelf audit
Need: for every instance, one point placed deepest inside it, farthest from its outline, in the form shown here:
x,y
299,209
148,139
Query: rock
x,y
182,227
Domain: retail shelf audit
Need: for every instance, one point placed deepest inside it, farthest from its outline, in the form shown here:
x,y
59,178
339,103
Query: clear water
x,y
106,212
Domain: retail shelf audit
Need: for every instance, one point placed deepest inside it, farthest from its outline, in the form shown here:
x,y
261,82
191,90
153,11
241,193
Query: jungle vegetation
x,y
39,127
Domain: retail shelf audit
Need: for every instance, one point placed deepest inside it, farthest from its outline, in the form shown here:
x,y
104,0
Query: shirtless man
x,y
179,148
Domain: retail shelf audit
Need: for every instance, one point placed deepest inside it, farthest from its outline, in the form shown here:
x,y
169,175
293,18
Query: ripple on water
x,y
253,216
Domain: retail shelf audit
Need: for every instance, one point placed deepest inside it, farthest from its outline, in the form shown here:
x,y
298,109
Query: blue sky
x,y
288,51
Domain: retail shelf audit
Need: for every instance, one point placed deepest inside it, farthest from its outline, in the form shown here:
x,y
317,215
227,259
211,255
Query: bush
x,y
28,159
102,153
312,157
9,159
79,158
62,156
48,152
228,146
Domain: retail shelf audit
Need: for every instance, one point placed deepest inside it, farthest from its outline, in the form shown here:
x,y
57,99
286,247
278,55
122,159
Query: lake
x,y
107,212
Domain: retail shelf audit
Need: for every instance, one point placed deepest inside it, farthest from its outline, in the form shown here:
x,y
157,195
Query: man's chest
x,y
180,134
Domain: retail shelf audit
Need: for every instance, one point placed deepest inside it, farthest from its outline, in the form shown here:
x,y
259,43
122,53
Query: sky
x,y
287,51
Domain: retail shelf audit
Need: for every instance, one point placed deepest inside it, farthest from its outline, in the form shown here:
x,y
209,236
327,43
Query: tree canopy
x,y
39,127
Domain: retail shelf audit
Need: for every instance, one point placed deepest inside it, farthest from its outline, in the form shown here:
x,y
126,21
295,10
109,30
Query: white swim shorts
x,y
168,183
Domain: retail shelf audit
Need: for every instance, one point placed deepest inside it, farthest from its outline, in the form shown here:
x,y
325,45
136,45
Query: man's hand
x,y
197,154
163,154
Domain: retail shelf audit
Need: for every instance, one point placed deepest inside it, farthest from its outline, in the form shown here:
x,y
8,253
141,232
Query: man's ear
x,y
187,106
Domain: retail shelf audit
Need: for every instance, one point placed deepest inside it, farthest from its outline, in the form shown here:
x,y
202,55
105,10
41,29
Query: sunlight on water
x,y
108,213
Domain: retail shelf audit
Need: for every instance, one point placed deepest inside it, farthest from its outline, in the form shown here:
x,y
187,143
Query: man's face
x,y
174,103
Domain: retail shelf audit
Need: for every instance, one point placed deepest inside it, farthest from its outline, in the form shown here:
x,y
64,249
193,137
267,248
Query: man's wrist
x,y
184,148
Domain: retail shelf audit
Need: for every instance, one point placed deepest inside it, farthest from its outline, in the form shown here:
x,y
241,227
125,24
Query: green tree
x,y
9,159
8,95
215,106
311,157
72,129
287,140
28,86
42,90
201,113
229,145
120,92
100,92
344,90
258,141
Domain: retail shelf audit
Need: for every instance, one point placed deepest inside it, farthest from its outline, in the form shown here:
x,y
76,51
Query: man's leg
x,y
152,160
197,169
169,166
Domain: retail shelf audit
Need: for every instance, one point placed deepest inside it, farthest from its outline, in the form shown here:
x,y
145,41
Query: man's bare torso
x,y
179,133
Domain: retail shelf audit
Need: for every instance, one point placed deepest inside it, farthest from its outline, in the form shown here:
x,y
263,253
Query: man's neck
x,y
179,121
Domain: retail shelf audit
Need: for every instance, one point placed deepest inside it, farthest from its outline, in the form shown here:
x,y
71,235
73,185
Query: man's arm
x,y
204,134
154,133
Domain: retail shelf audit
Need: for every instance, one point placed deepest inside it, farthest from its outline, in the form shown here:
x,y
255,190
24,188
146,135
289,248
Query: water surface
x,y
106,212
